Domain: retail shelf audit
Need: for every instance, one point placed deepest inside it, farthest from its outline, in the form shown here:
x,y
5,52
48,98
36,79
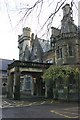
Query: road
x,y
39,109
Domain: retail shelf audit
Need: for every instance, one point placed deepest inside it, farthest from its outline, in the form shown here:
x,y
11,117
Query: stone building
x,y
3,73
31,48
63,48
66,43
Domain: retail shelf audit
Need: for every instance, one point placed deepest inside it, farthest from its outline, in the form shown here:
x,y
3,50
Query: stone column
x,y
40,86
34,86
32,90
9,85
46,90
16,86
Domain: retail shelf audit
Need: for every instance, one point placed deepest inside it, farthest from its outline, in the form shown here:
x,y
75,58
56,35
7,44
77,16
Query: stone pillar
x,y
34,86
32,91
16,86
9,85
37,91
46,90
40,86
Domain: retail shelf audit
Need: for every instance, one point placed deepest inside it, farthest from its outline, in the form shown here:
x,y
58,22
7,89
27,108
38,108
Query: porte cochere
x,y
19,69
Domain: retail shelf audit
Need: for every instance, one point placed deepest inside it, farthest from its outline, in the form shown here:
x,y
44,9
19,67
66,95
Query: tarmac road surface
x,y
40,109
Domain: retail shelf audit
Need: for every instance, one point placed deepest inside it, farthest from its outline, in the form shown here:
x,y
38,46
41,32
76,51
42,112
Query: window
x,y
26,83
59,52
70,50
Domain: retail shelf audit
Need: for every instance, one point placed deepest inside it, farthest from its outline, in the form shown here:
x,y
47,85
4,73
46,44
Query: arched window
x,y
70,50
59,52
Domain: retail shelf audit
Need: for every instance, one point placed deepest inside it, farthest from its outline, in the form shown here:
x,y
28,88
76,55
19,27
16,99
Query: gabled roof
x,y
45,44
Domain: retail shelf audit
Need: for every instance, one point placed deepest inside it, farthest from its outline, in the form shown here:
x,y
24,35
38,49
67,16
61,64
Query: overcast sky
x,y
10,16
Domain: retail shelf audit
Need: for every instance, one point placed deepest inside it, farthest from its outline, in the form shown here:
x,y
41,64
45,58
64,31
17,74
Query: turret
x,y
23,42
27,32
54,33
67,10
67,23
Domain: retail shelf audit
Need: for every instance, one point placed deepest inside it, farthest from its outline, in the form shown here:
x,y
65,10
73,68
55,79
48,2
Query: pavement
x,y
42,110
7,103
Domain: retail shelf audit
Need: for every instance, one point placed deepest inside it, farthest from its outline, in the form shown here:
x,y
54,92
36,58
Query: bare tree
x,y
36,8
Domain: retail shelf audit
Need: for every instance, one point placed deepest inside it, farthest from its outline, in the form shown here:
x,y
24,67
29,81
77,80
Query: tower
x,y
67,23
24,43
67,43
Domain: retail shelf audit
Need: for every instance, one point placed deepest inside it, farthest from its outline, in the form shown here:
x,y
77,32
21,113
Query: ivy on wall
x,y
62,77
